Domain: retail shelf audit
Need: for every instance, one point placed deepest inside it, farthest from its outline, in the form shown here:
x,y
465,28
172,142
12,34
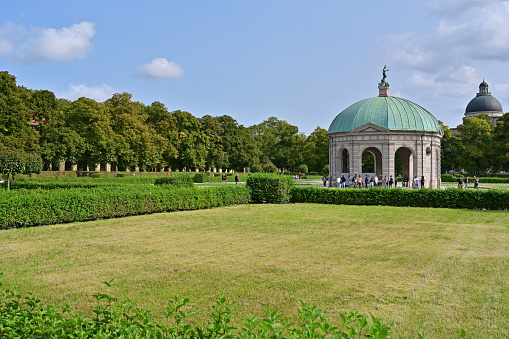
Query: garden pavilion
x,y
402,136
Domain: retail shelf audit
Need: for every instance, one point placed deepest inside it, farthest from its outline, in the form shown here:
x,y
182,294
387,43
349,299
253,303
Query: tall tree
x,y
501,143
164,124
91,121
136,143
280,142
476,144
238,143
316,150
449,150
191,142
216,155
16,129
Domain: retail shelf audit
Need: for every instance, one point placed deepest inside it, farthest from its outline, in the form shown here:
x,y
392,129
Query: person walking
x,y
476,182
343,182
366,181
466,182
460,182
395,181
391,181
324,179
384,181
422,181
237,179
359,181
376,180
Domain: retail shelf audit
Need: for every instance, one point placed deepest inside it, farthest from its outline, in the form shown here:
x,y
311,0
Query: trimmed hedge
x,y
271,188
23,208
449,198
179,180
84,182
482,180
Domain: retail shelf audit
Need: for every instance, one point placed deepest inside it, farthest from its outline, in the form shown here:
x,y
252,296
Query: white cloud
x,y
46,44
449,83
98,93
9,34
160,68
467,30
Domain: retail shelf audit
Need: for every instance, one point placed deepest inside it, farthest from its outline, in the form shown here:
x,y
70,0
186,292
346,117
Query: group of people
x,y
463,183
374,181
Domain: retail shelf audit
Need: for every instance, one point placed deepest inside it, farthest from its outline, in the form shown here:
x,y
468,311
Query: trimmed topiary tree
x,y
271,188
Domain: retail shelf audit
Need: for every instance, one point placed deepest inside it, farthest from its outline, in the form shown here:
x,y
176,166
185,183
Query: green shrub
x,y
271,188
449,198
256,168
23,207
269,168
179,180
121,175
449,178
200,177
302,168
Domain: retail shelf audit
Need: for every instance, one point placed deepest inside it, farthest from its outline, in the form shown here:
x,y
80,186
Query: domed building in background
x,y
484,103
387,127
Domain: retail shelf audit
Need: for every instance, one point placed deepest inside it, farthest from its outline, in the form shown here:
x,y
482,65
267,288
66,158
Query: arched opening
x,y
372,161
342,164
403,160
345,161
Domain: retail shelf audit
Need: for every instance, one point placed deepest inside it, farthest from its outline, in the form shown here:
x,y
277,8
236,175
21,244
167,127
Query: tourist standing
x,y
324,179
416,182
466,182
395,181
376,180
422,181
384,181
359,181
366,181
343,182
460,182
237,179
476,182
391,181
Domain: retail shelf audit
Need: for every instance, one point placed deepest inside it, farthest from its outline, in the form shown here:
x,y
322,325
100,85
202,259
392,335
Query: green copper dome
x,y
392,113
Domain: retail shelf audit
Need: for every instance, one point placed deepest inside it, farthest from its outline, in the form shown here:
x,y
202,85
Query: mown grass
x,y
432,271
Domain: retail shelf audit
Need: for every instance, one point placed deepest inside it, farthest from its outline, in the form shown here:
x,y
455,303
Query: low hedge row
x,y
84,182
21,208
482,180
449,198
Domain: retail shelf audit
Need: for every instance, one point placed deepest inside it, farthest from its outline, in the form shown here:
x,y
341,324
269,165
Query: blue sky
x,y
301,61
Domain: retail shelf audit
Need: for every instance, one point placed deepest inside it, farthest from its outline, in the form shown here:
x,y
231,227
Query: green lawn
x,y
432,271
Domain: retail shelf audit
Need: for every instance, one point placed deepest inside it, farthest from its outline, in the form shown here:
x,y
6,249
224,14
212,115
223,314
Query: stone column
x,y
97,168
108,167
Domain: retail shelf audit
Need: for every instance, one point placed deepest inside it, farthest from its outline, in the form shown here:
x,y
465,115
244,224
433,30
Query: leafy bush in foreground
x,y
21,208
29,318
449,198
